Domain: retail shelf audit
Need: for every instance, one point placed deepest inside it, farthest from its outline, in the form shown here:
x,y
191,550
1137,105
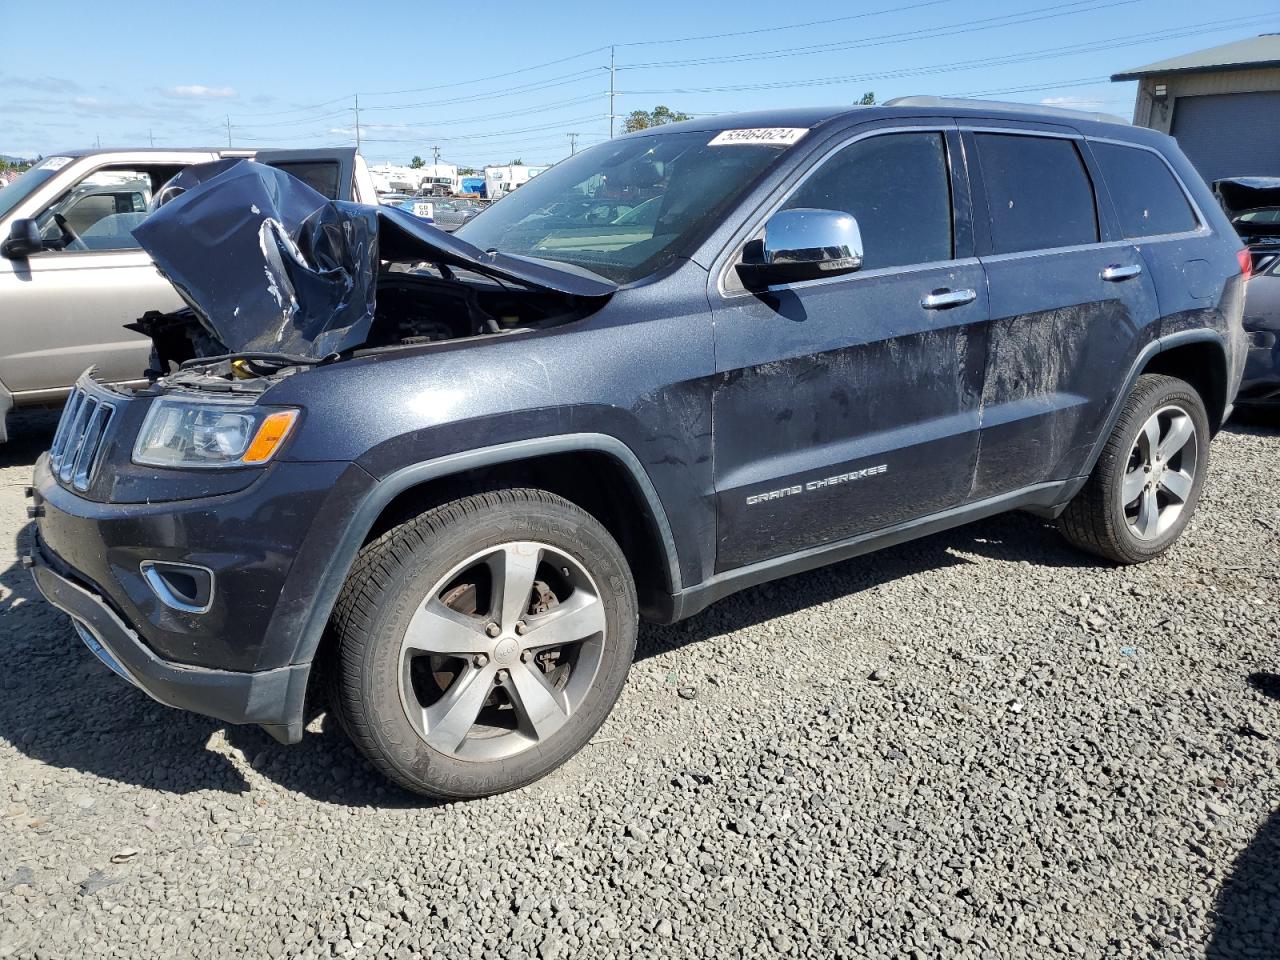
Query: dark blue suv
x,y
448,474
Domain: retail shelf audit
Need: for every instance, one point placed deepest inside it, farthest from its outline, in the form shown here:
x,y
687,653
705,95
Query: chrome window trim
x,y
1202,229
1056,251
734,249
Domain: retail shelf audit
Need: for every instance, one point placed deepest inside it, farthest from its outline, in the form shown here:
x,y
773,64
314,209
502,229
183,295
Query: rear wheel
x,y
481,644
1146,484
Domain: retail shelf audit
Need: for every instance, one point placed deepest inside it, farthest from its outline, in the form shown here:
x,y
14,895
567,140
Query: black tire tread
x,y
372,574
1088,523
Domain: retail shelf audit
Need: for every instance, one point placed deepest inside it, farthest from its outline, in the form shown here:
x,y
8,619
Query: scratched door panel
x,y
1070,307
844,406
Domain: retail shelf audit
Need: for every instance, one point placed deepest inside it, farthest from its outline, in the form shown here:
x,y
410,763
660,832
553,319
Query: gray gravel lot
x,y
982,744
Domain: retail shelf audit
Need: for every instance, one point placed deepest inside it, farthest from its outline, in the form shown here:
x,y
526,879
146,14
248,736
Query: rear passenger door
x,y
1070,306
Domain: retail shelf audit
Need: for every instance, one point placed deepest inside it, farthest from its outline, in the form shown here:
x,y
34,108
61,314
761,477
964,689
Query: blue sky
x,y
288,74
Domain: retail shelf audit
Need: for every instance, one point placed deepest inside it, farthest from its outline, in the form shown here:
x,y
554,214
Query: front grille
x,y
77,444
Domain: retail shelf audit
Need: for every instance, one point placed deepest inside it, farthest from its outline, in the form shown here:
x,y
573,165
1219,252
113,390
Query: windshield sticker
x,y
770,136
53,163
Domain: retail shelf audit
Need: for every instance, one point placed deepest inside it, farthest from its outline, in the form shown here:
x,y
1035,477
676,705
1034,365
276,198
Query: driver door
x,y
65,307
850,404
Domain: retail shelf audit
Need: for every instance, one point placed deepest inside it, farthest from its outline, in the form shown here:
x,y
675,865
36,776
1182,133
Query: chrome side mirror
x,y
24,239
802,244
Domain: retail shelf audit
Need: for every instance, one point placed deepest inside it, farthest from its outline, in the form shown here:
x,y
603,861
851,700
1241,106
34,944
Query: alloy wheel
x,y
1161,472
502,651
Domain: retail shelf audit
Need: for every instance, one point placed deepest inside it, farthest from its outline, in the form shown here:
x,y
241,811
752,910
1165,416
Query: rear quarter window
x,y
1038,192
320,175
1147,197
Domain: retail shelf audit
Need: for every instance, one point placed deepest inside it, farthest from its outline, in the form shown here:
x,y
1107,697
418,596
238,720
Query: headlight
x,y
182,433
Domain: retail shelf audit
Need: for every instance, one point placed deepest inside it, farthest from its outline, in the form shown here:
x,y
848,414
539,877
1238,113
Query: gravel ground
x,y
982,744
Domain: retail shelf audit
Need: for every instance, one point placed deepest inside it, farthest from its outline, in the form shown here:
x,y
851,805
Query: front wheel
x,y
481,644
1146,484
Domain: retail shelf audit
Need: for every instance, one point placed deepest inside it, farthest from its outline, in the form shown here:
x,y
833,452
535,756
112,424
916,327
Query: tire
x,y
427,628
1099,520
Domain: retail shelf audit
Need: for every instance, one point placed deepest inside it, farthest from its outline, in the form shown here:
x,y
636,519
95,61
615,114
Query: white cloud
x,y
198,91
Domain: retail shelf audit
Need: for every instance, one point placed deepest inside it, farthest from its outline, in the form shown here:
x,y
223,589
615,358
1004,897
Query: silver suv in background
x,y
71,273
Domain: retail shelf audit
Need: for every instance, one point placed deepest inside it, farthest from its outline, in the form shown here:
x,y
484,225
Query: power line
x,y
484,136
789,26
1050,12
1092,46
495,76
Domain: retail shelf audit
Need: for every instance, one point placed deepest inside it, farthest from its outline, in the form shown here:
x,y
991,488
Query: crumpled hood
x,y
269,265
1247,193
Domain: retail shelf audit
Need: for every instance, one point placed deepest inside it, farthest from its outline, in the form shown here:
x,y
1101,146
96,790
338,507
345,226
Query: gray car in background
x,y
71,274
449,215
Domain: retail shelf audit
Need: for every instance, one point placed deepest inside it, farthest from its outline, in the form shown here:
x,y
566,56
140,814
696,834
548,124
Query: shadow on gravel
x,y
1247,911
1254,423
30,432
1012,537
1266,683
324,767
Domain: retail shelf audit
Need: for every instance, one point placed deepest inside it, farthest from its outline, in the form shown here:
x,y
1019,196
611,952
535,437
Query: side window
x,y
898,188
98,213
1147,197
1038,193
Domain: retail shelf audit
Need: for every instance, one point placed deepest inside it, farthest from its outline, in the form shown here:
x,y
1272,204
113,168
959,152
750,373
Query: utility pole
x,y
152,136
435,156
613,72
98,138
228,130
573,143
357,111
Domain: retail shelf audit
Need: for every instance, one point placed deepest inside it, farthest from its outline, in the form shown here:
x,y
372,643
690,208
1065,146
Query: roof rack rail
x,y
1031,108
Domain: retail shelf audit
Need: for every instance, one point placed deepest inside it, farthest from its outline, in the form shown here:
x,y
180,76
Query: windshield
x,y
29,182
625,208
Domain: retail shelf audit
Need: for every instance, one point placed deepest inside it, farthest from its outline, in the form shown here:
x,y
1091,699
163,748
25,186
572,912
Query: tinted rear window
x,y
320,176
1038,193
1147,197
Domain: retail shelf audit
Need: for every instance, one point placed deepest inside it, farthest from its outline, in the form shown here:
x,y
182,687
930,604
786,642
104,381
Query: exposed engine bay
x,y
278,279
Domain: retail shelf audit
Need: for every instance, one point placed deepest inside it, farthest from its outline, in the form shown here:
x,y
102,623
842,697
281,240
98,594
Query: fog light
x,y
183,586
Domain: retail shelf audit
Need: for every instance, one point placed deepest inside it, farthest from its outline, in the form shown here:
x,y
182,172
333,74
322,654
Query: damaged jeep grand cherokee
x,y
443,477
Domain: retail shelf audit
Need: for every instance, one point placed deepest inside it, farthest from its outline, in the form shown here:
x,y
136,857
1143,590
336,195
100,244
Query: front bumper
x,y
271,698
244,658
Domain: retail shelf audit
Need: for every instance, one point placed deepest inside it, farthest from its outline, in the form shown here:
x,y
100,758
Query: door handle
x,y
941,299
1119,271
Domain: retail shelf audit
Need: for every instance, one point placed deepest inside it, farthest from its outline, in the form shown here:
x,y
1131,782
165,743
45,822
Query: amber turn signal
x,y
269,436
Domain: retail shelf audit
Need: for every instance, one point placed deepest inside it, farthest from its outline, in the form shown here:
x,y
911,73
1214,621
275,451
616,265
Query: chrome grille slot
x,y
77,444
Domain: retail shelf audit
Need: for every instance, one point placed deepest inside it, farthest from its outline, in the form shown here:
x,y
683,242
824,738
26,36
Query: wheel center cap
x,y
506,651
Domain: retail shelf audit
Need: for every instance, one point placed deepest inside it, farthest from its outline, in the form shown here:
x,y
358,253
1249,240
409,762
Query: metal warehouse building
x,y
1222,104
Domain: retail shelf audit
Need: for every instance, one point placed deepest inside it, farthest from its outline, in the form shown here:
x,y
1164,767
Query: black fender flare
x,y
1151,350
389,487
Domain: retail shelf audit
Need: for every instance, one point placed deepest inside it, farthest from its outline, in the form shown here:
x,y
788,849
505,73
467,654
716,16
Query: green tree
x,y
416,163
517,162
868,99
467,171
644,119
